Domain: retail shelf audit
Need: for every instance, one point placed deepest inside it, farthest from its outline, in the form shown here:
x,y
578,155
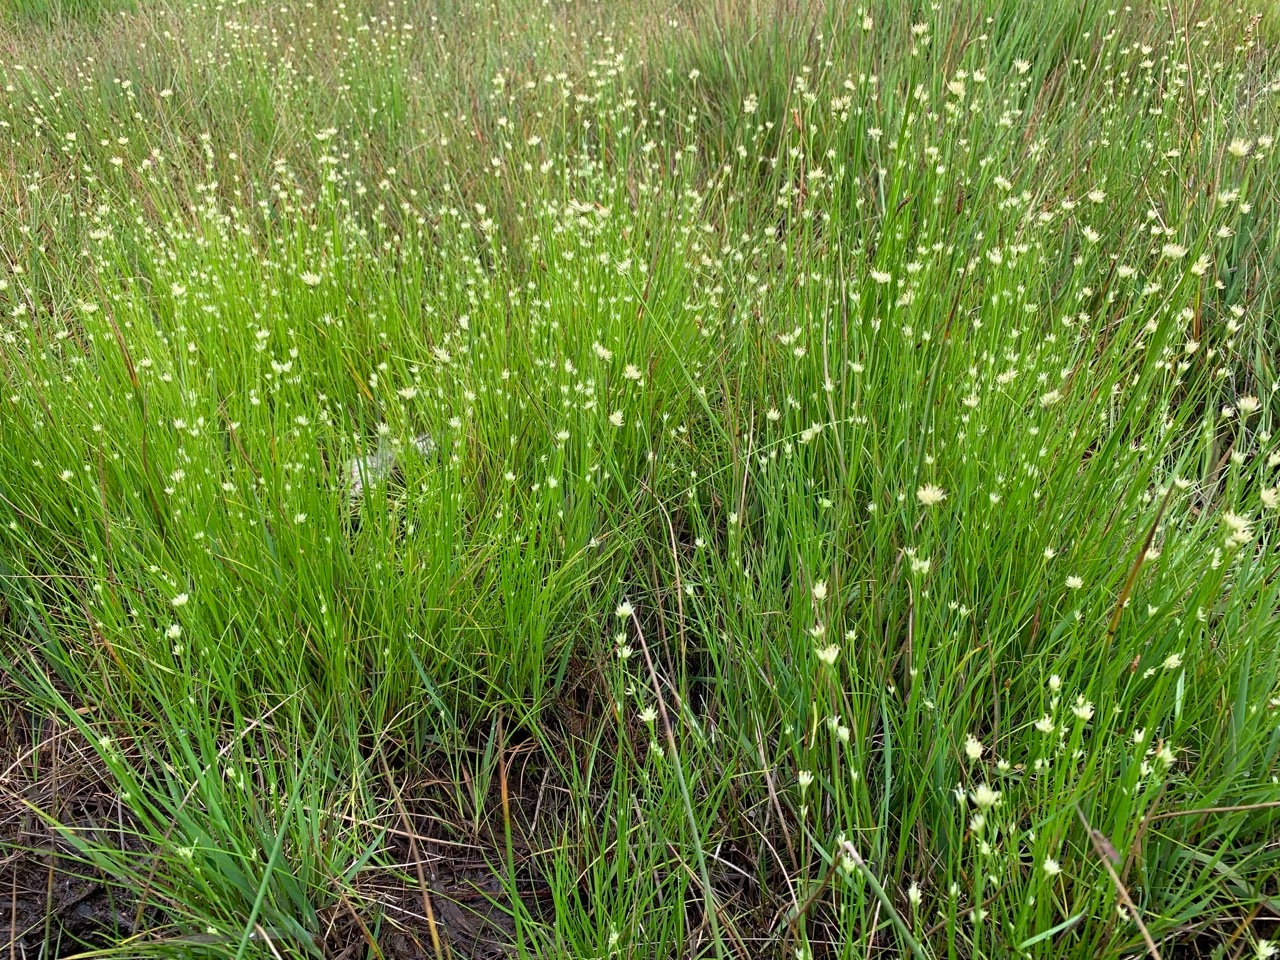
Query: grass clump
x,y
60,14
574,481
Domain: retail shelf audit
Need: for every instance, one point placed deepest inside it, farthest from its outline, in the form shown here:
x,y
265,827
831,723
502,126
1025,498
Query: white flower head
x,y
984,797
930,495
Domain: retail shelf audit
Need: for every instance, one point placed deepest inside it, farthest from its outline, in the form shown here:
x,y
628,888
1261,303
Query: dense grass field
x,y
742,478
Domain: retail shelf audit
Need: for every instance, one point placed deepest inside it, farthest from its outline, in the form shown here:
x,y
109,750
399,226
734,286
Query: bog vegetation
x,y
574,479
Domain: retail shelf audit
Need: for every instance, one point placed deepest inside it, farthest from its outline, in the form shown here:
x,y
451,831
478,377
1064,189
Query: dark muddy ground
x,y
53,904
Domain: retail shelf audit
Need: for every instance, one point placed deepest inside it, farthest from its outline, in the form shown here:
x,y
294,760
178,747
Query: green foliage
x,y
851,476
61,13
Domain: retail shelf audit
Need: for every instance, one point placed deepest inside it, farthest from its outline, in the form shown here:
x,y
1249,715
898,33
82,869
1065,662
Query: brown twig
x,y
675,559
803,908
914,945
413,852
13,919
712,912
1105,851
1137,566
266,938
364,929
777,806
871,937
1237,808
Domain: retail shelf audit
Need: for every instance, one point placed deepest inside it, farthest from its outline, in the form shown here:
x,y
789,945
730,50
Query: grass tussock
x,y
739,479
